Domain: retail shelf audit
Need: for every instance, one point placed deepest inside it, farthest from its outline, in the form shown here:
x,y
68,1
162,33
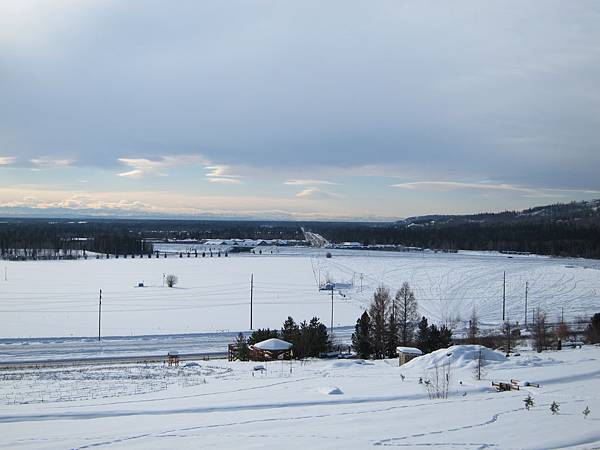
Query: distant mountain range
x,y
585,212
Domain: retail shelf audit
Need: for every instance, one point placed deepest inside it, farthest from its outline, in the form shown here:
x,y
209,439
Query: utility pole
x,y
361,279
562,315
99,315
331,312
251,296
526,290
508,337
504,298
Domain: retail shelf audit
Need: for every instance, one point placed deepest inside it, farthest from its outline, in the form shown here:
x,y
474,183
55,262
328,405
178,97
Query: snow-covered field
x,y
324,404
60,298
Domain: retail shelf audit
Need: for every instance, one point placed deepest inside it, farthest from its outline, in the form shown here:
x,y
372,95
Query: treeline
x,y
393,321
34,237
309,339
560,230
553,238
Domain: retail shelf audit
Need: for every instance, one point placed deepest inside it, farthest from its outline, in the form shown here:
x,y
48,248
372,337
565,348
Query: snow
x,y
295,405
273,345
60,298
458,356
409,350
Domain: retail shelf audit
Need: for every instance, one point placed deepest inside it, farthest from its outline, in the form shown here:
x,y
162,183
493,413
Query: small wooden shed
x,y
405,354
173,358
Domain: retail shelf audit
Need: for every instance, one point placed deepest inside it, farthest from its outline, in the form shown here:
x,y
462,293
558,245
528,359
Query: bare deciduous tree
x,y
438,384
378,312
540,331
171,280
473,327
405,308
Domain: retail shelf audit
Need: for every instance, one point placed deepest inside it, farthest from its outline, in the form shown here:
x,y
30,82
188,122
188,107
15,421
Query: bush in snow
x,y
554,407
586,412
171,280
528,402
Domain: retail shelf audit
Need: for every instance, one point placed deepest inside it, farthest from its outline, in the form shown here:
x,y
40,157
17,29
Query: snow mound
x,y
459,356
330,390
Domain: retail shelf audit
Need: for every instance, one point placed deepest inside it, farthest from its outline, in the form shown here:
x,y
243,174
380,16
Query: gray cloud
x,y
505,91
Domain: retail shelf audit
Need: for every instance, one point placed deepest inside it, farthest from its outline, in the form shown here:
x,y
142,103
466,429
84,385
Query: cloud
x,y
51,163
142,167
220,174
6,160
315,192
445,186
306,182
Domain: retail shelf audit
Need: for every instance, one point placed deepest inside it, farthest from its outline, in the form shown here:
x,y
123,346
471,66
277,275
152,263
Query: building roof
x,y
409,350
273,344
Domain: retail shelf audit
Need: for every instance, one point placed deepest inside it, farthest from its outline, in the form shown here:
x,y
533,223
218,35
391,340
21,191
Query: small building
x,y
405,354
173,358
271,349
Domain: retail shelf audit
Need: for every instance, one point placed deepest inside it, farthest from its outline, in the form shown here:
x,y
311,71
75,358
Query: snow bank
x,y
459,356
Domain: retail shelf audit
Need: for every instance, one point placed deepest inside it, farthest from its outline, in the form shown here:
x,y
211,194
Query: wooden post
x,y
100,316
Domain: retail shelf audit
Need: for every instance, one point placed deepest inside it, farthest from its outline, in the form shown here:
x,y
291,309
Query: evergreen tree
x,y
262,335
361,339
434,338
290,332
378,312
445,337
592,332
423,340
405,306
312,339
320,338
243,352
391,342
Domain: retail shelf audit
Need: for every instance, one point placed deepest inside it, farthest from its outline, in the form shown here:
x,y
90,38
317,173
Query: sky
x,y
349,110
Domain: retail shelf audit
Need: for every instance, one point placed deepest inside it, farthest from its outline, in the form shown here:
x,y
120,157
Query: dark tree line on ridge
x,y
562,230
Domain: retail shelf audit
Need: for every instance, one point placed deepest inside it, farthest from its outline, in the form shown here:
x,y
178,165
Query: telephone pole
x,y
331,312
99,315
526,290
504,298
251,296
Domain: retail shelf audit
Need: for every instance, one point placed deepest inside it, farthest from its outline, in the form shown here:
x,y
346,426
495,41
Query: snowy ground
x,y
327,404
60,298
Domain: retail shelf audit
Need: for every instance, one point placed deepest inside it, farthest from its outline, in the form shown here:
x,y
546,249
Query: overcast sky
x,y
364,110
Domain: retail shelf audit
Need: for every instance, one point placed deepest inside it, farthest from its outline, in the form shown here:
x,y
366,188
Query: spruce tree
x,y
423,341
242,353
361,339
391,341
290,331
